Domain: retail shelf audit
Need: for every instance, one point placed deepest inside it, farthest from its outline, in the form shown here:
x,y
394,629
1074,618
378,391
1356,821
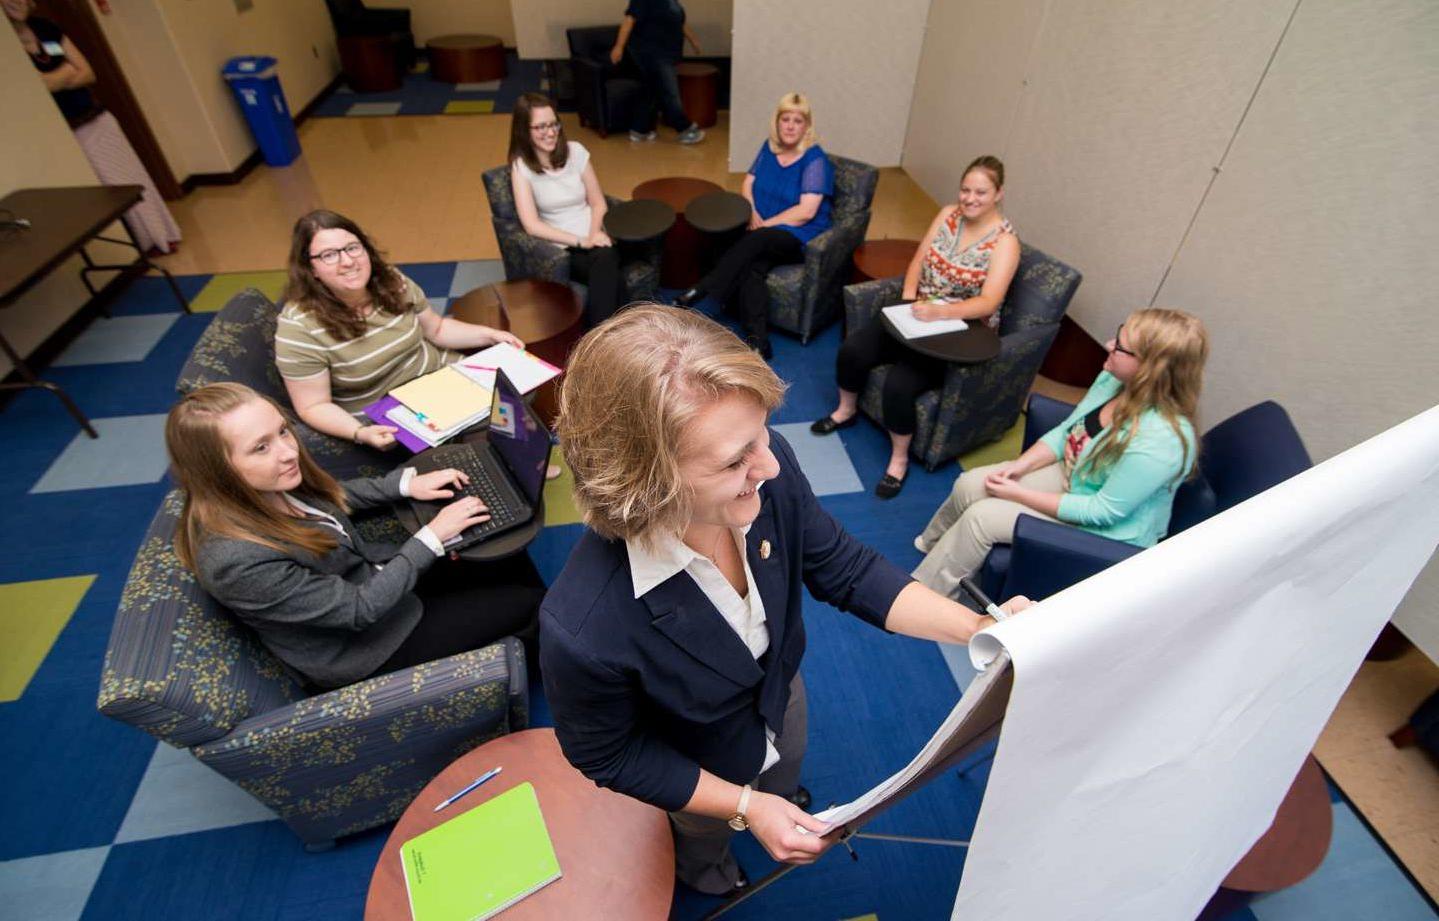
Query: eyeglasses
x,y
1119,348
354,250
545,127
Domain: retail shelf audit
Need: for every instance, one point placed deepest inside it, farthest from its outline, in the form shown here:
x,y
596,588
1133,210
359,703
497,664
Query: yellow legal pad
x,y
444,398
481,862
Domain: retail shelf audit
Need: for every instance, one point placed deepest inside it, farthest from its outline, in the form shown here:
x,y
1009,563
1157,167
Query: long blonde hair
x,y
632,387
218,501
1171,347
792,102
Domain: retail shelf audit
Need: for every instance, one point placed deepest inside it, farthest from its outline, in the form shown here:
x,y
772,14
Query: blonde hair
x,y
218,502
1171,347
792,102
633,386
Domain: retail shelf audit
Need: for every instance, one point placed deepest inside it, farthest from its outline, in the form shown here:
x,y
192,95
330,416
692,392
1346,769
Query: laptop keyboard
x,y
503,502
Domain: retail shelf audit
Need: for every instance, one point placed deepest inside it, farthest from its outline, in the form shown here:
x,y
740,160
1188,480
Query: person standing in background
x,y
655,31
67,75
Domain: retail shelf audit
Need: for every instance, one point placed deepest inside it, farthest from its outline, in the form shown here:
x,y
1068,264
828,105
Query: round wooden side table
x,y
699,92
369,63
547,315
680,263
881,259
466,58
616,854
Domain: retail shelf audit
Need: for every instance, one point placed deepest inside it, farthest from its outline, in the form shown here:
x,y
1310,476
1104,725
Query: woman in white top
x,y
558,198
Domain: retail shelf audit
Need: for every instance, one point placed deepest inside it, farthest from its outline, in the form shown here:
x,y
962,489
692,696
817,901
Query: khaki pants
x,y
970,522
703,860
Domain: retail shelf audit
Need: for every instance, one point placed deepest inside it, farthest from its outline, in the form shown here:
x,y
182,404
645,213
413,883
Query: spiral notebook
x,y
480,862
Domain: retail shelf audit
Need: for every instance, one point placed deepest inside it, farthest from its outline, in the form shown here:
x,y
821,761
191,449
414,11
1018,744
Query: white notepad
x,y
910,328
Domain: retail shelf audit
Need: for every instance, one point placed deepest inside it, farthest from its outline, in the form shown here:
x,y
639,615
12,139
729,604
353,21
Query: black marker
x,y
983,600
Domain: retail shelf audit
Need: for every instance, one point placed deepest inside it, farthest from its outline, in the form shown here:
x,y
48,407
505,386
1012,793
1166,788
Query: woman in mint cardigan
x,y
1111,468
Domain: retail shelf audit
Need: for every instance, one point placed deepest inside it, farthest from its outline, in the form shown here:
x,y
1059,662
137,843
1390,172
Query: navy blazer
x,y
647,691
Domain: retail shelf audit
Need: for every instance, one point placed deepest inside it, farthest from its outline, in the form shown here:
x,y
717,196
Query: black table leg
x,y
143,260
33,382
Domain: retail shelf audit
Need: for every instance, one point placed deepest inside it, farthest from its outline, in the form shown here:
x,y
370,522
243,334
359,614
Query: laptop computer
x,y
507,472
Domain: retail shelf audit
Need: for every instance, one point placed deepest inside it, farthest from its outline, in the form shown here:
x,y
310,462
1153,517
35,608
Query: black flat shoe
x,y
801,798
690,298
889,486
827,425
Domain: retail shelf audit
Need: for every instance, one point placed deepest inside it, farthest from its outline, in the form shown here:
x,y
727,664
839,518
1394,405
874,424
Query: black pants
x,y
599,268
662,88
871,345
737,280
469,605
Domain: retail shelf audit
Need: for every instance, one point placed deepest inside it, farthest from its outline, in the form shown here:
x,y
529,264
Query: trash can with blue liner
x,y
257,89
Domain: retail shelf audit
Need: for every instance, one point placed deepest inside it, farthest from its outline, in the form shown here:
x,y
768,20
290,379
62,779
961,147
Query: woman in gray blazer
x,y
267,533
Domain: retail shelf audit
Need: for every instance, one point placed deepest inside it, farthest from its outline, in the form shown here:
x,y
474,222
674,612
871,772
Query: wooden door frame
x,y
77,19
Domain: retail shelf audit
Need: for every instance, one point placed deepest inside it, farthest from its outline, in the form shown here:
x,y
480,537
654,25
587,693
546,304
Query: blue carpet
x,y
71,776
421,94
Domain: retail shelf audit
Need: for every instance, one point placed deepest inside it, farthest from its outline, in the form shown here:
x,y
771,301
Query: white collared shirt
x,y
425,535
651,566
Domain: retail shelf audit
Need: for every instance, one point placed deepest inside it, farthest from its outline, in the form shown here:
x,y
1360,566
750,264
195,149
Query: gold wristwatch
x,y
738,821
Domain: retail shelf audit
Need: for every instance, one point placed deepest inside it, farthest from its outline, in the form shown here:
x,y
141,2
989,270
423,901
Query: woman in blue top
x,y
789,187
1110,468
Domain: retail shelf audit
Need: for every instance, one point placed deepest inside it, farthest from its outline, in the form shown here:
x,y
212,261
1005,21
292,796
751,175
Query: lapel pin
x,y
764,549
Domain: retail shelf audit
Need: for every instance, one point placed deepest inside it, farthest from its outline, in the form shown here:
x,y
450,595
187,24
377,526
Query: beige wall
x,y
44,153
1309,256
856,60
429,18
172,52
540,24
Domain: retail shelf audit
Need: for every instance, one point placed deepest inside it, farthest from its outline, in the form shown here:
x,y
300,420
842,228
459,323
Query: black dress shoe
x,y
801,798
828,426
889,486
689,298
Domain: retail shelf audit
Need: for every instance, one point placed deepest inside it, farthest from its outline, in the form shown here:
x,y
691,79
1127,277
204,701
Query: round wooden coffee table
x,y
466,58
680,265
881,259
616,853
369,63
699,91
547,315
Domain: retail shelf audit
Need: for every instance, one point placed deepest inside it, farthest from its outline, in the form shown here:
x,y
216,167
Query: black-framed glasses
x,y
545,127
1119,348
353,249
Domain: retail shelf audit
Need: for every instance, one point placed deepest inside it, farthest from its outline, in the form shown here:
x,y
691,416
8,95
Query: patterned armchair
x,y
239,345
530,257
804,298
978,403
185,671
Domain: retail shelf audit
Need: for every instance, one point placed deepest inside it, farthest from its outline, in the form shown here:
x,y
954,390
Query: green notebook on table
x,y
481,862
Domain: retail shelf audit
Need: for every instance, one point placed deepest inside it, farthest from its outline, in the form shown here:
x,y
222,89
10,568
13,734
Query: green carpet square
x,y
218,290
470,107
32,614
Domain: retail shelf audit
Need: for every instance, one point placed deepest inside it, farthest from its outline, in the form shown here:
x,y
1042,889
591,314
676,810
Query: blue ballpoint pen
x,y
479,780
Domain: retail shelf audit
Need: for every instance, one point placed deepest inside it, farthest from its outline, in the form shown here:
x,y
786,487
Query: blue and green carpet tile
x,y
421,94
99,821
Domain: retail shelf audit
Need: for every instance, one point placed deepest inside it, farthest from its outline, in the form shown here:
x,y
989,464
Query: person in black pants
x,y
788,187
558,198
654,31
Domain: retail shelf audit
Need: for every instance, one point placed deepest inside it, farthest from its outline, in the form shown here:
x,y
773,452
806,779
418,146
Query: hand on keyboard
x,y
457,516
438,484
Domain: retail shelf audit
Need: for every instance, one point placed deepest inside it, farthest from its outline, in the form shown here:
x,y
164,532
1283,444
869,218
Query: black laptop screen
x,y
521,438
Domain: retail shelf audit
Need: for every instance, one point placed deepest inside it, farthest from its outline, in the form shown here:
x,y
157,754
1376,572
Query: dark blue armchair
x,y
1239,458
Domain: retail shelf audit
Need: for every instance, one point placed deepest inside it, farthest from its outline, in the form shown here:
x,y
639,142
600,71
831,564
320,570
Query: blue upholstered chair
x,y
605,94
530,257
977,403
804,298
1239,458
239,345
184,670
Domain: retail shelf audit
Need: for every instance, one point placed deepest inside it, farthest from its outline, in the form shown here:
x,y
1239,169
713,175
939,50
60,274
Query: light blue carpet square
x,y
112,340
484,86
476,273
822,458
374,108
179,795
51,887
130,450
1356,880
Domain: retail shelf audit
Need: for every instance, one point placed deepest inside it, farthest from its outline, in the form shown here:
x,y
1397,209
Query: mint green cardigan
x,y
1131,500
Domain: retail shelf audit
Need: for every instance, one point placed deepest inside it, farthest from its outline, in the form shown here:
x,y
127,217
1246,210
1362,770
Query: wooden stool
x,y
699,92
466,58
680,264
547,315
369,63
